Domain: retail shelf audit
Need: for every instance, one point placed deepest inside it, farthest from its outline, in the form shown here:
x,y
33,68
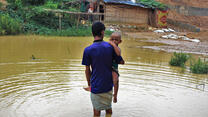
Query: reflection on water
x,y
43,77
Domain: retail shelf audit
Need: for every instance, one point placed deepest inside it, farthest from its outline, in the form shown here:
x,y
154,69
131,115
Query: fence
x,y
77,17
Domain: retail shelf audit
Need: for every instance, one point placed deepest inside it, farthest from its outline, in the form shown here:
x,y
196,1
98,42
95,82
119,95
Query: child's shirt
x,y
115,65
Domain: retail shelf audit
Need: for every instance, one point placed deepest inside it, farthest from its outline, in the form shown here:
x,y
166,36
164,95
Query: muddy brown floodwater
x,y
43,77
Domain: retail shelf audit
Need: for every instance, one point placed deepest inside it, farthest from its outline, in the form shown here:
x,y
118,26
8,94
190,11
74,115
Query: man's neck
x,y
97,38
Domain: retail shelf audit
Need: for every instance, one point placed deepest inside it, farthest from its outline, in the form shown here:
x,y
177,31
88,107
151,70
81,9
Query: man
x,y
97,59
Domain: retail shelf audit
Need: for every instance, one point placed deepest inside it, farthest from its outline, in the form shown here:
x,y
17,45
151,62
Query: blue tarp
x,y
127,2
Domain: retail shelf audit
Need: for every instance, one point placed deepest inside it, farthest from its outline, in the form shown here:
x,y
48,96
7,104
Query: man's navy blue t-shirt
x,y
99,56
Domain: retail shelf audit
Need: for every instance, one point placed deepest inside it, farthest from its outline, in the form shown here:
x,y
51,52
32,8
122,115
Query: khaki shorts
x,y
101,101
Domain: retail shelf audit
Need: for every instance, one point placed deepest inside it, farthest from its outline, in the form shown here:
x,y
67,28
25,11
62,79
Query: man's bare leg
x,y
116,85
108,113
96,113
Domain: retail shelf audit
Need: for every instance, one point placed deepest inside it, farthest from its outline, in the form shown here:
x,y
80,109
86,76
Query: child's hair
x,y
116,34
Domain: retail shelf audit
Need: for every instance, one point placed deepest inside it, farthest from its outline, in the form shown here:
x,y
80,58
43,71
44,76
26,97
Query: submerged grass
x,y
196,66
179,59
199,67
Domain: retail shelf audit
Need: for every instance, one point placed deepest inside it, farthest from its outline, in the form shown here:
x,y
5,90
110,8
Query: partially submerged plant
x,y
199,67
179,59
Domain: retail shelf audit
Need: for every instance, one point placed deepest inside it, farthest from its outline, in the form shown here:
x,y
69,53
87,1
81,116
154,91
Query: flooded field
x,y
43,77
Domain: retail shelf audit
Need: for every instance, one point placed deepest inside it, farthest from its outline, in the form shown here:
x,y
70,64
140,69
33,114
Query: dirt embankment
x,y
193,3
194,12
172,45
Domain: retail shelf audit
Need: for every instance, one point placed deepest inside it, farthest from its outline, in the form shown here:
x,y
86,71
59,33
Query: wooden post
x,y
100,16
104,13
78,20
59,21
98,6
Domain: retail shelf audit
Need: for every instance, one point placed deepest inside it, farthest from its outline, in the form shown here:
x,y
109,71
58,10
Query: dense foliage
x,y
199,67
8,25
27,2
30,17
179,59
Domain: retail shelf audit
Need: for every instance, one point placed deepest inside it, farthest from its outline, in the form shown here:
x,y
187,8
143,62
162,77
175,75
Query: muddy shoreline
x,y
172,45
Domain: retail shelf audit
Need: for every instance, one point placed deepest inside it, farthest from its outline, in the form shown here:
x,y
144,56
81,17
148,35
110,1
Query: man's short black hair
x,y
97,28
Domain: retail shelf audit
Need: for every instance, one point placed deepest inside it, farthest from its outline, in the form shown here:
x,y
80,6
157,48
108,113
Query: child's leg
x,y
115,83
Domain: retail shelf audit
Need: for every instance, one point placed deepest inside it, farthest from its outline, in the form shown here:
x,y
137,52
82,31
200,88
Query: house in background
x,y
128,12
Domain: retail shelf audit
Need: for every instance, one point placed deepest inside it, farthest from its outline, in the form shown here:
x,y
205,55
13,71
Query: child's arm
x,y
116,48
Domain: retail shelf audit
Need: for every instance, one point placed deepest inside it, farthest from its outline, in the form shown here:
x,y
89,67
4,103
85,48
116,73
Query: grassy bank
x,y
72,31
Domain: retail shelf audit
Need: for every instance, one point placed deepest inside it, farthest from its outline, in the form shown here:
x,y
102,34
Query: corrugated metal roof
x,y
127,2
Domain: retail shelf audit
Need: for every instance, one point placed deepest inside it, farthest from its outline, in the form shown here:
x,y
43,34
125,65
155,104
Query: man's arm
x,y
88,74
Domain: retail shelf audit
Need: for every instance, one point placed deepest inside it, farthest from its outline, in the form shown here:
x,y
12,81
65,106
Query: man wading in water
x,y
97,59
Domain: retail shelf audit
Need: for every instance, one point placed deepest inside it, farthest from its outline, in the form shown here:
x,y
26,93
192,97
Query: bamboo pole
x,y
76,13
98,6
59,21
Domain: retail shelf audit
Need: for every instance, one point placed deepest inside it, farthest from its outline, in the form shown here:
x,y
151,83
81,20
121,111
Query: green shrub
x,y
73,9
9,25
51,5
199,67
72,31
15,4
34,2
2,31
47,19
179,59
0,5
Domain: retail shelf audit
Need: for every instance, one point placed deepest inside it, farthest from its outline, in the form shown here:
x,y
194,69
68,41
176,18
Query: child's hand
x,y
111,43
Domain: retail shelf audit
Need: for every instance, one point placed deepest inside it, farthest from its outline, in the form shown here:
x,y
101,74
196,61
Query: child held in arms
x,y
115,40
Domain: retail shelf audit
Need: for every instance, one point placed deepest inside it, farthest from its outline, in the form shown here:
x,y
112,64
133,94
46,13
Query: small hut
x,y
128,12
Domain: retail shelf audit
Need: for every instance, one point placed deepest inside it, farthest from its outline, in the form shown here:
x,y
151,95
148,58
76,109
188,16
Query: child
x,y
115,39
